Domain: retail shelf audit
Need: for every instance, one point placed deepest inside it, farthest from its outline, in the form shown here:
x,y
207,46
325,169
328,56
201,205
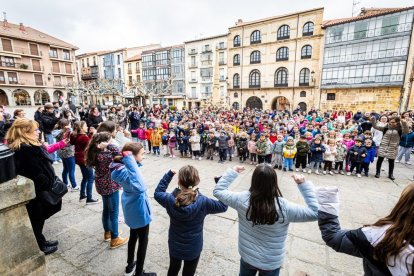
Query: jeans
x,y
189,269
223,154
156,150
51,140
87,181
315,165
288,163
404,151
69,168
249,270
110,213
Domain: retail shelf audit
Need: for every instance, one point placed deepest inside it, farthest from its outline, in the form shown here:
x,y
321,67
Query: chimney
x,y
21,28
363,11
239,21
5,23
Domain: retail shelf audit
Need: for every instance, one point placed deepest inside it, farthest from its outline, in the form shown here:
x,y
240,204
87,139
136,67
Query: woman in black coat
x,y
94,118
33,161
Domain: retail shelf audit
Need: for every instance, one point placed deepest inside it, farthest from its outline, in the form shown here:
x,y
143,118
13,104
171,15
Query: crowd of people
x,y
109,148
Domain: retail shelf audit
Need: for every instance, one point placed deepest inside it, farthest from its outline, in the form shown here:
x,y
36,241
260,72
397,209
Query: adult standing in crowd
x,y
49,120
389,143
32,161
94,117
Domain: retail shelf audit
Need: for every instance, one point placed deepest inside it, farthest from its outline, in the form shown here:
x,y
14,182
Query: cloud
x,y
99,25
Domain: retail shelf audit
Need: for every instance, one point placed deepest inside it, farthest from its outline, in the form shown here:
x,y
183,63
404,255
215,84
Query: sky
x,y
94,25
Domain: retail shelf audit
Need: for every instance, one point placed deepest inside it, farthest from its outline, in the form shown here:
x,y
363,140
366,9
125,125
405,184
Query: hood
x,y
186,213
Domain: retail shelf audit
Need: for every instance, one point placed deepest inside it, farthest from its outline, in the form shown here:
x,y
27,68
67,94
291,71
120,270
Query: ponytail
x,y
92,149
186,197
187,177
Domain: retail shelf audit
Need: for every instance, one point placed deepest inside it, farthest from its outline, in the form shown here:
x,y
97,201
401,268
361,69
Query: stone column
x,y
19,252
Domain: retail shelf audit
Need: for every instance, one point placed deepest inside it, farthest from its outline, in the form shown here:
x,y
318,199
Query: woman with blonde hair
x,y
386,247
23,139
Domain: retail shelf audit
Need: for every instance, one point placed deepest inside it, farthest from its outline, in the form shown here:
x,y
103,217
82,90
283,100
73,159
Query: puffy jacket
x,y
348,144
172,142
148,135
223,142
388,147
251,146
407,140
182,143
302,148
341,153
135,201
278,147
155,139
289,151
211,141
140,133
357,157
330,153
264,245
370,152
185,235
49,121
317,155
242,144
195,142
261,147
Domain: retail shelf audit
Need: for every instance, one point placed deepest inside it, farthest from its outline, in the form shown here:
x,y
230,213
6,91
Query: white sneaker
x,y
348,173
397,161
324,172
75,189
317,172
310,171
304,171
173,156
297,170
358,175
193,158
331,173
408,163
199,159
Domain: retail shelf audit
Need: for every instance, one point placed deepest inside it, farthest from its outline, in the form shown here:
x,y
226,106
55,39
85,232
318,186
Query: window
x,y
221,58
303,94
255,57
281,77
12,76
283,32
129,80
236,41
236,59
129,68
33,49
222,93
236,95
7,62
118,59
38,79
94,61
389,24
193,93
304,75
53,53
55,67
87,62
236,81
282,54
360,29
306,52
68,68
308,29
255,37
193,61
330,96
83,63
254,79
7,45
57,81
66,55
2,79
221,45
137,67
235,105
119,73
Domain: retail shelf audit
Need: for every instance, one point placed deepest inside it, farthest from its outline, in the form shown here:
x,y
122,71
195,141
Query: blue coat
x,y
407,140
185,235
135,202
317,155
370,155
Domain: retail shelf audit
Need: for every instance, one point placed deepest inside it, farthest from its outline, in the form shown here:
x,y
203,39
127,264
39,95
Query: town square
x,y
207,138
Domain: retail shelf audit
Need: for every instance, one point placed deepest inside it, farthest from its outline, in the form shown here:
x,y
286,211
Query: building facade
x,y
177,97
132,68
206,71
35,67
368,61
273,63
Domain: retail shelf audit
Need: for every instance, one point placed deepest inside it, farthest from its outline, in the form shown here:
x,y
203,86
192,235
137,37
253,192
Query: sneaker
x,y
92,201
193,157
297,170
173,156
59,161
324,172
291,170
304,171
366,174
408,163
397,161
317,172
199,159
107,236
150,274
331,173
348,173
55,162
342,172
130,269
358,175
284,169
75,189
310,171
117,242
81,198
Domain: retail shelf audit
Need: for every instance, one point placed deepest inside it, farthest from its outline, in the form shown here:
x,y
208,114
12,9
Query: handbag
x,y
54,195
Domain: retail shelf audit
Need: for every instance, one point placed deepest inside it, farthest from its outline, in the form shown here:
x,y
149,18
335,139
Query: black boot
x,y
48,249
377,175
51,243
391,177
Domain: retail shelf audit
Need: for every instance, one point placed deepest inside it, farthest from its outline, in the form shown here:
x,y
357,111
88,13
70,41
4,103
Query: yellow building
x,y
273,63
132,69
35,67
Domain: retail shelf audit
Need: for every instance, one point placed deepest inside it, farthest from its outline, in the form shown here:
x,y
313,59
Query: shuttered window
x,y
2,79
36,65
55,67
68,68
57,81
38,79
33,49
12,77
7,45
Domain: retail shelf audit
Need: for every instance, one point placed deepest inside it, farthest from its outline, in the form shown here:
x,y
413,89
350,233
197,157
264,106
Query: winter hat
x,y
290,138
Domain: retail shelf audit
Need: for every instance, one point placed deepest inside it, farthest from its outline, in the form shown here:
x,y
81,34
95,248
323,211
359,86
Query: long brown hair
x,y
19,133
187,177
77,127
264,190
92,150
134,147
401,232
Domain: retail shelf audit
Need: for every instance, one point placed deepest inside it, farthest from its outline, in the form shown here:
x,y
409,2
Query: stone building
x,y
273,63
368,61
35,67
132,68
206,71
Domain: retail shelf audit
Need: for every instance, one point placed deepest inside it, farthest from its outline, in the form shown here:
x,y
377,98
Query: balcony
x,y
193,65
307,34
192,52
236,44
255,42
58,84
236,63
20,67
303,83
254,85
193,81
90,76
236,85
207,50
206,63
222,78
222,62
63,72
281,84
130,71
22,82
206,79
25,52
206,95
221,47
306,57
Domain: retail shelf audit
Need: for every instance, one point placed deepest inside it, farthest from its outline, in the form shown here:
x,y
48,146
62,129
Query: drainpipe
x,y
241,72
294,67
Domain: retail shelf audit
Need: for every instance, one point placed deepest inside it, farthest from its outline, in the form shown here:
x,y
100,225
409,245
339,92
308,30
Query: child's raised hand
x,y
173,171
299,178
238,169
102,145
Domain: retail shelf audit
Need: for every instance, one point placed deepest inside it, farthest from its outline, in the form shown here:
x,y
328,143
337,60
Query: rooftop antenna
x,y
4,16
354,4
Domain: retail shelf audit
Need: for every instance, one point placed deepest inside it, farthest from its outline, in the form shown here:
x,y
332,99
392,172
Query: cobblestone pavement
x,y
82,250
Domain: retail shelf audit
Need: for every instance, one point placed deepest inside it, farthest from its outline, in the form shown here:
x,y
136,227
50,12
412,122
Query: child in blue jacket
x,y
369,156
187,208
135,203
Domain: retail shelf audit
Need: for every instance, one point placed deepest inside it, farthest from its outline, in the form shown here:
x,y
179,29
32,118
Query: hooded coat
x,y
389,144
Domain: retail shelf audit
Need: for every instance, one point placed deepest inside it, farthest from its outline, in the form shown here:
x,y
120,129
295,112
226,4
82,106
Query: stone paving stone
x,y
82,252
